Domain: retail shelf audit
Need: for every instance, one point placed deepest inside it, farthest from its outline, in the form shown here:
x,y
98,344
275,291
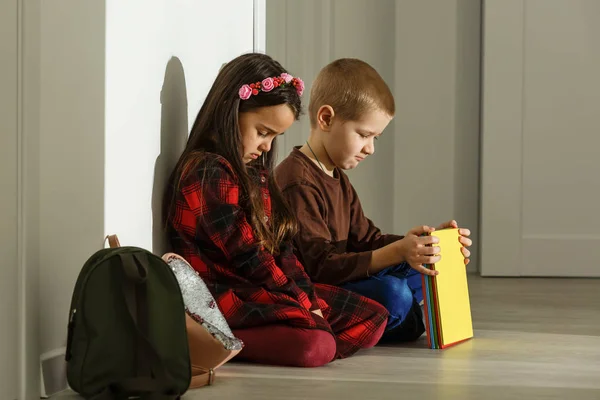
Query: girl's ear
x,y
325,116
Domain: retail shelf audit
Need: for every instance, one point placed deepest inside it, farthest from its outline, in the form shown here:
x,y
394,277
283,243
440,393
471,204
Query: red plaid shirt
x,y
251,286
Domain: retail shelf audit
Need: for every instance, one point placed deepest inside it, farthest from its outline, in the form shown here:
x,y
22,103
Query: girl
x,y
226,216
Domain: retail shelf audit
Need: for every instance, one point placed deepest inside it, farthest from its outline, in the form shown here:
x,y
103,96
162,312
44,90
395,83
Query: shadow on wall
x,y
173,137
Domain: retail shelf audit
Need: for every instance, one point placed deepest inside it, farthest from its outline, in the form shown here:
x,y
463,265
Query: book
x,y
447,308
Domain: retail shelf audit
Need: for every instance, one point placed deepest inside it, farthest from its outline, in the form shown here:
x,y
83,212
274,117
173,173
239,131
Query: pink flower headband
x,y
269,84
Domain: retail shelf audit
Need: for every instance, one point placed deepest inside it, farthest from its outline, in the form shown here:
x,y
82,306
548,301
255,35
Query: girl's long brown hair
x,y
216,130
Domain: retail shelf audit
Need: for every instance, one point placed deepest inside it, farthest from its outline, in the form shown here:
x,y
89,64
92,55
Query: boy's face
x,y
349,142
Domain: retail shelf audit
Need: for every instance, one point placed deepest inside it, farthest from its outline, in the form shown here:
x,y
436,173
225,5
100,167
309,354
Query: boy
x,y
350,106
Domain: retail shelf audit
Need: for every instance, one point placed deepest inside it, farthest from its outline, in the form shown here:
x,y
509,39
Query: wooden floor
x,y
534,339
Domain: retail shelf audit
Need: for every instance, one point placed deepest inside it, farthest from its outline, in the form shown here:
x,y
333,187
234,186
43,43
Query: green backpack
x,y
126,333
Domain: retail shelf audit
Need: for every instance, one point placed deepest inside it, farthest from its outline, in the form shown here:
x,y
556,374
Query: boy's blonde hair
x,y
352,87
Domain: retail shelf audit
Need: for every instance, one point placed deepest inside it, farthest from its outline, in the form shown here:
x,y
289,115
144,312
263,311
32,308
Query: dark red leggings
x,y
289,346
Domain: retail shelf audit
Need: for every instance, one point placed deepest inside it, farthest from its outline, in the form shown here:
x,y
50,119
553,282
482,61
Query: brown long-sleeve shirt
x,y
335,242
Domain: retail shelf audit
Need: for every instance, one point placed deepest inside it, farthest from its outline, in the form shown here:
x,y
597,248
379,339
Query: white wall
x,y
99,103
157,76
426,166
103,125
54,119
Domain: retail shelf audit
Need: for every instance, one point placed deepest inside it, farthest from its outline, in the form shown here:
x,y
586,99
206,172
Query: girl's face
x,y
260,126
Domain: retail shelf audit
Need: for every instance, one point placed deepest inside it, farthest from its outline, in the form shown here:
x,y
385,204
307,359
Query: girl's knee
x,y
287,346
313,350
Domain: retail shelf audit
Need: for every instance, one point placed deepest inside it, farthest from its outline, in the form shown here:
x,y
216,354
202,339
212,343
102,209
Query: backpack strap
x,y
113,241
135,268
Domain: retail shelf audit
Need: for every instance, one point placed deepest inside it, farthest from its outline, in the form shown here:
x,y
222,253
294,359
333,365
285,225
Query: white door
x,y
540,138
8,201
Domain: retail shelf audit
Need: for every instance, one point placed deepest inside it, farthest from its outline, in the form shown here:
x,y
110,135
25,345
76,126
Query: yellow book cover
x,y
452,290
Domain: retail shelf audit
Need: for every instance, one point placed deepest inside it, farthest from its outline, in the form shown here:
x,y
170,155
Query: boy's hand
x,y
463,239
417,250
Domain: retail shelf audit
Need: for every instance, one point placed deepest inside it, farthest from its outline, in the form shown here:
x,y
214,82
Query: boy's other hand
x,y
417,250
463,239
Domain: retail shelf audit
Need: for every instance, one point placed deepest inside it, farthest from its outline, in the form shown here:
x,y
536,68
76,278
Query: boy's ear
x,y
325,117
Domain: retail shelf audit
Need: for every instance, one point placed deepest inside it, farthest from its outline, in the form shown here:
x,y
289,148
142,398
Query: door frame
x,y
28,86
260,26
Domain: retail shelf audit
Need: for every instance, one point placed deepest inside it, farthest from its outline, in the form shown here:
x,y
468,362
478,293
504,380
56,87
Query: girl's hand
x,y
463,239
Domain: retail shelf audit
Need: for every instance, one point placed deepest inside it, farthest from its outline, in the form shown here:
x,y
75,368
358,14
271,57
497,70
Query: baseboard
x,y
53,373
